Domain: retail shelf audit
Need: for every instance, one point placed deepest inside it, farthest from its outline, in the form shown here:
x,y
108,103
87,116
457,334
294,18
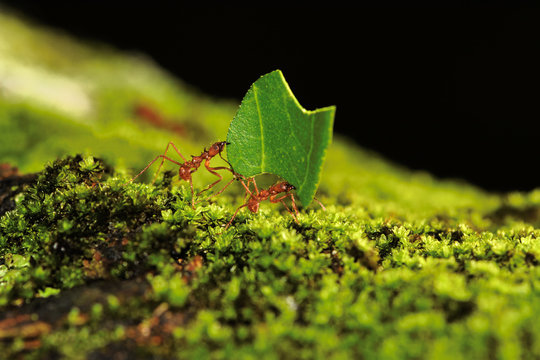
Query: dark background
x,y
450,90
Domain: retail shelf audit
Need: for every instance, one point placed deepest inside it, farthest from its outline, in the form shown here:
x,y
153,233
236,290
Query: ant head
x,y
222,144
286,187
217,148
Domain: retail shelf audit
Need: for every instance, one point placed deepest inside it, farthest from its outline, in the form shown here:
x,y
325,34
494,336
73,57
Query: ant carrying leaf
x,y
273,193
189,167
272,133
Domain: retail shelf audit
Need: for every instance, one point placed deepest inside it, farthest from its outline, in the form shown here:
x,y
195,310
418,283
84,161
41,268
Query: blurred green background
x,y
59,97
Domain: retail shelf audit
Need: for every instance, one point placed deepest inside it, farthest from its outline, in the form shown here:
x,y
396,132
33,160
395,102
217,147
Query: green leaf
x,y
273,133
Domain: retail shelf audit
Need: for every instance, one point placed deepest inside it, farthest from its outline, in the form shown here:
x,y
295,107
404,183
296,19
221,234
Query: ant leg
x,y
274,200
164,154
235,213
247,187
246,201
220,191
212,171
192,193
320,203
153,161
255,184
293,201
235,177
290,212
178,152
281,200
212,184
248,192
247,195
222,158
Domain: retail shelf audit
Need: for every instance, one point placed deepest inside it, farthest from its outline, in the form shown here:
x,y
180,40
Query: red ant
x,y
189,167
271,193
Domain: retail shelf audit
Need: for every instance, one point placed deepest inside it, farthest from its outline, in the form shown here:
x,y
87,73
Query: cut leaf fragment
x,y
273,133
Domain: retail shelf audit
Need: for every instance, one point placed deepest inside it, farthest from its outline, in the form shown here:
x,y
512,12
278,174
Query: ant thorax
x,y
264,194
195,161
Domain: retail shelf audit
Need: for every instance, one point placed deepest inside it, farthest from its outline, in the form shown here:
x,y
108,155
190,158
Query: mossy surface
x,y
400,265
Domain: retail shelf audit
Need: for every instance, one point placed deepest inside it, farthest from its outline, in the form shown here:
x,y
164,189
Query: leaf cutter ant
x,y
272,193
189,167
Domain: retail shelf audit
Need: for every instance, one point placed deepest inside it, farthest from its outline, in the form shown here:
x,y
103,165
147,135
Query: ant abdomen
x,y
184,173
253,206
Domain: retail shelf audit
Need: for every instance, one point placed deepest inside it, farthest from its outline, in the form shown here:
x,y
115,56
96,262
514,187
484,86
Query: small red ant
x,y
271,193
189,167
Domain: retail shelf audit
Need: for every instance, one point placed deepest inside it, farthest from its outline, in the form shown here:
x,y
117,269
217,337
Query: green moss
x,y
339,283
400,265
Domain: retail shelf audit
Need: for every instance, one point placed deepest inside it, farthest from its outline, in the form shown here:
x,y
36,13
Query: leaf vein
x,y
260,125
290,121
312,118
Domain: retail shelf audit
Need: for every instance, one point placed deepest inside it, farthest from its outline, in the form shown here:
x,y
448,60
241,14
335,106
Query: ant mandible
x,y
271,193
189,167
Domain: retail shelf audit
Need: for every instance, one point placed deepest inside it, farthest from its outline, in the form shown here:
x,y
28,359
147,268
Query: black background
x,y
450,90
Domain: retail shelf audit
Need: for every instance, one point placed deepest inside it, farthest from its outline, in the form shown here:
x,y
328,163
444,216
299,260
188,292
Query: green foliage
x,y
272,133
